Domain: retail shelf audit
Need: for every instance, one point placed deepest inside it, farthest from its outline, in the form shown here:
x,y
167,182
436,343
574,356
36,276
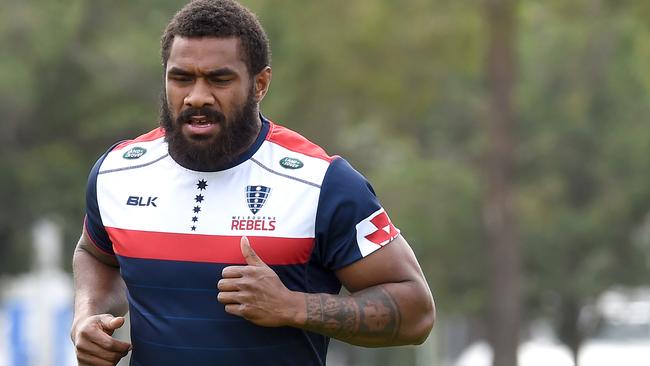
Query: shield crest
x,y
256,197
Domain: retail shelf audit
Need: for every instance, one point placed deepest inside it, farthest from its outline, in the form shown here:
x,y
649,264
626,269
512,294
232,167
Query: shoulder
x,y
288,154
144,149
153,135
342,174
293,141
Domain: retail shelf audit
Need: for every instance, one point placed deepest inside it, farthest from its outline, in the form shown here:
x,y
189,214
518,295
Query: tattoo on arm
x,y
368,316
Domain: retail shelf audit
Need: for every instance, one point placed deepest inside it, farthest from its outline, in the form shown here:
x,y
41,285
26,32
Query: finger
x,y
114,323
234,309
89,350
104,359
228,298
249,254
233,272
91,360
95,333
227,284
111,344
114,345
109,323
105,341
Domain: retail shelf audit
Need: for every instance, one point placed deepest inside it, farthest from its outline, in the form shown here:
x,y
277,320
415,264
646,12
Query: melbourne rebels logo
x,y
256,197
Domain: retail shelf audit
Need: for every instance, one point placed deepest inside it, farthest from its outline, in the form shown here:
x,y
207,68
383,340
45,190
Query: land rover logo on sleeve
x,y
291,163
256,196
134,153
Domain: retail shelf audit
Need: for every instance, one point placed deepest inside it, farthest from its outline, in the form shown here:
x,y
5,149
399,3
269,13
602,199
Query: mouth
x,y
200,122
201,127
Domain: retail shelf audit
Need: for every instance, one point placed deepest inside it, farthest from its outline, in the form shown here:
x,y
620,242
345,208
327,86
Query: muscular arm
x,y
390,303
98,286
99,297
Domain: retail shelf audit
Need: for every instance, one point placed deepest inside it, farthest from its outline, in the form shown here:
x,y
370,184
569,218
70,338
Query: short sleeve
x,y
93,220
350,221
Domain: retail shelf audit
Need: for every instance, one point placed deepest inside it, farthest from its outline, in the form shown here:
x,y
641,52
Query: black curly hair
x,y
222,19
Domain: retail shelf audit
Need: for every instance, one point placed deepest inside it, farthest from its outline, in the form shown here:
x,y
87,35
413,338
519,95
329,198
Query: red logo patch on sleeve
x,y
375,231
385,229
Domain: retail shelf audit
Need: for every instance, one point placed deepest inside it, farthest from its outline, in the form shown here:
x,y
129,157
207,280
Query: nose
x,y
200,95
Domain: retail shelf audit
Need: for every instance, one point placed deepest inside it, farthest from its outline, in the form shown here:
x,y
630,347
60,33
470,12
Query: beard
x,y
212,152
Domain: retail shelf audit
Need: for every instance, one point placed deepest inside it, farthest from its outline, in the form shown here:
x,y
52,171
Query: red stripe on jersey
x,y
295,142
208,248
92,240
149,136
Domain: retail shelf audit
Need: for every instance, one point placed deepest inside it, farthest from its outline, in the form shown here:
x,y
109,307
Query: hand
x,y
94,344
256,293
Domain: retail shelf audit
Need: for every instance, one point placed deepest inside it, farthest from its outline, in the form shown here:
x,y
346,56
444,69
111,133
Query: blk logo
x,y
141,201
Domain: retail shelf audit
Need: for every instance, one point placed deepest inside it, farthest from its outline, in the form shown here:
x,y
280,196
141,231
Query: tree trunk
x,y
504,263
569,327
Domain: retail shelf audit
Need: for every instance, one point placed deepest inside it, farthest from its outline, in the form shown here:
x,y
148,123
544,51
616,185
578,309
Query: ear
x,y
262,81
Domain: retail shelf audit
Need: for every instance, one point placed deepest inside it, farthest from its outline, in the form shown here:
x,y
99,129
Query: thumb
x,y
249,254
110,323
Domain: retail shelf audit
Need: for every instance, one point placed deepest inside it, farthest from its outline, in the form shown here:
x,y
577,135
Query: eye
x,y
180,78
220,80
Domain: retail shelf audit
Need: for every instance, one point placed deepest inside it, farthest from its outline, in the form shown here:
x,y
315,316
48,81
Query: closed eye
x,y
220,80
221,76
178,74
182,78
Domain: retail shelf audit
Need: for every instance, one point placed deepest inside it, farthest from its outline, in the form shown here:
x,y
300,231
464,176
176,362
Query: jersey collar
x,y
253,148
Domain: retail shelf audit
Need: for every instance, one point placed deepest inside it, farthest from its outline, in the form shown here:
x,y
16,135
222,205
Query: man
x,y
232,234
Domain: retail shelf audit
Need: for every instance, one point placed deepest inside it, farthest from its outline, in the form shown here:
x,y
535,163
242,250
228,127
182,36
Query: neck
x,y
253,137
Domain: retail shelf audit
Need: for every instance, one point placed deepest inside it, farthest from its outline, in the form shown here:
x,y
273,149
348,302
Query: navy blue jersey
x,y
174,230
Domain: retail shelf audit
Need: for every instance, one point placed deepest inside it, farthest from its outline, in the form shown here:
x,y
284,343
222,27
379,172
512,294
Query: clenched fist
x,y
94,344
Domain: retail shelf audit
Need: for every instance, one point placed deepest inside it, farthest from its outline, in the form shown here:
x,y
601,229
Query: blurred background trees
x,y
401,90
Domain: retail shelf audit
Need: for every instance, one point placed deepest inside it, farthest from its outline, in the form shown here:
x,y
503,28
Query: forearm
x,y
99,289
384,315
390,305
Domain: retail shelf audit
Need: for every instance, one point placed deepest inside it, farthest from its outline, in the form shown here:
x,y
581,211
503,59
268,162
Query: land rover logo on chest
x,y
291,163
134,153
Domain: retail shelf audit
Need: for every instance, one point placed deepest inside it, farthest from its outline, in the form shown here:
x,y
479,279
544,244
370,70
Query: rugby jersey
x,y
173,230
